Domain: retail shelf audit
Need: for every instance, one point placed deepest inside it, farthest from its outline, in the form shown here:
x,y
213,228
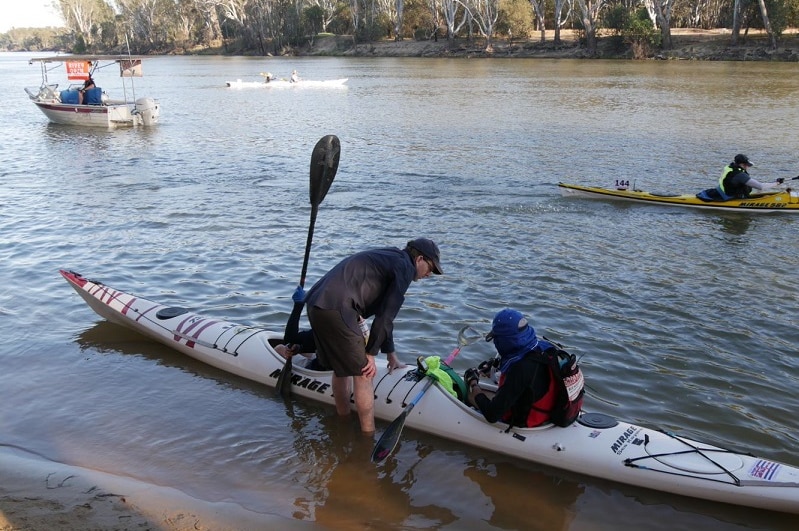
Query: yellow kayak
x,y
779,201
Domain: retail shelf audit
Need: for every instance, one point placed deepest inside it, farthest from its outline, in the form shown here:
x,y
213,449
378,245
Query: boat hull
x,y
786,201
597,445
144,112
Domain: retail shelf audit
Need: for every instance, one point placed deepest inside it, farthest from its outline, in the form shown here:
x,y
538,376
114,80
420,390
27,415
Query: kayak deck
x,y
781,201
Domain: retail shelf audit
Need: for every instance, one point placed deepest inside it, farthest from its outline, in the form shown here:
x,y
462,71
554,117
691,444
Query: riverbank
x,y
689,44
41,495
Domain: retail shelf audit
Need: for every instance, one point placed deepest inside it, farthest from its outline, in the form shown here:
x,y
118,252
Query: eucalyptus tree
x,y
393,11
539,7
736,23
355,18
589,16
266,24
661,9
450,10
560,18
484,13
85,16
328,8
148,21
208,12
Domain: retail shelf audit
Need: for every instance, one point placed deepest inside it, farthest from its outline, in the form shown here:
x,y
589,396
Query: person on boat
x,y
88,84
295,77
268,77
526,391
365,284
735,182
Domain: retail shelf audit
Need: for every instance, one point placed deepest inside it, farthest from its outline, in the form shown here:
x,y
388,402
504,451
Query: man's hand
x,y
394,362
370,369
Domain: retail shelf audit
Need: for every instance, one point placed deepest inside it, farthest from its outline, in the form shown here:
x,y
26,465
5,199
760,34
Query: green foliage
x,y
312,18
515,18
417,21
616,18
35,39
80,44
634,29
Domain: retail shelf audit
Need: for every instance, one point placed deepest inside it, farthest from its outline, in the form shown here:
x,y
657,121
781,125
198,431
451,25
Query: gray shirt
x,y
368,283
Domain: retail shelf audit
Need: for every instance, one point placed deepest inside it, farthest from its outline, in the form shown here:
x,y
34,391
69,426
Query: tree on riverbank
x,y
289,26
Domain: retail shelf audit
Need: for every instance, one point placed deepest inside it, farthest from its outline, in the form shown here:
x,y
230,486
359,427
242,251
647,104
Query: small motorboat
x,y
92,107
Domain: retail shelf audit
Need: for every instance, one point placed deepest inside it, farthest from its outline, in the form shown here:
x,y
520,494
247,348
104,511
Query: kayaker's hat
x,y
429,250
512,334
742,159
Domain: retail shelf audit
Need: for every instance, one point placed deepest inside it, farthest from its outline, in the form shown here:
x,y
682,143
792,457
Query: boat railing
x,y
43,93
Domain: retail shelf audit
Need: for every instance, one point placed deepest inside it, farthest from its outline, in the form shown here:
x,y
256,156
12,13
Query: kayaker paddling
x,y
735,182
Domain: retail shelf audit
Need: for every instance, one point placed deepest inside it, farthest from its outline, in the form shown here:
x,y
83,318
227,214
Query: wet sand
x,y
36,494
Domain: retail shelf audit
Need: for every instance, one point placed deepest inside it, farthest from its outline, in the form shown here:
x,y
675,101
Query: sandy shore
x,y
41,495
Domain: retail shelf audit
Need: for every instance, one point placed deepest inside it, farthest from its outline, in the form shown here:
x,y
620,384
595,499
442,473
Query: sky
x,y
28,14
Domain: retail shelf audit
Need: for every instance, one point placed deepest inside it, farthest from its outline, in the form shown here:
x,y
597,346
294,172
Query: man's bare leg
x,y
364,393
341,394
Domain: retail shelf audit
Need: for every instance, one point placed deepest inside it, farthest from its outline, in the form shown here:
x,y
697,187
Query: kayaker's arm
x,y
754,183
508,393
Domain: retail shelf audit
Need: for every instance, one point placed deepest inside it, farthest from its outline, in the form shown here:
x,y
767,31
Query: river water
x,y
684,320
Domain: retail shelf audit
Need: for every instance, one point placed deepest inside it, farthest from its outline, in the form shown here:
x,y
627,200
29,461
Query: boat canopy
x,y
82,66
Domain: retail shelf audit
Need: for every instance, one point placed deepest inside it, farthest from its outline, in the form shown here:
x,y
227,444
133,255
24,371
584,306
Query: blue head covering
x,y
513,337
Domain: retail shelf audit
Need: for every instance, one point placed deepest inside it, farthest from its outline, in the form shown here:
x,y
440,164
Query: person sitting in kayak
x,y
526,391
295,77
735,182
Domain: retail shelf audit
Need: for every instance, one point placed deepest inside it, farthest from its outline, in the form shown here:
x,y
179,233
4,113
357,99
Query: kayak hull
x,y
597,445
786,201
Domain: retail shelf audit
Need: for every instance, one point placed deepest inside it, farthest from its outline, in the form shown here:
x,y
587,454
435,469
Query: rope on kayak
x,y
410,375
631,462
235,351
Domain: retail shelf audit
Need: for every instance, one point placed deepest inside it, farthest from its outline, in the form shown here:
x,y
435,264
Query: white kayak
x,y
283,83
596,445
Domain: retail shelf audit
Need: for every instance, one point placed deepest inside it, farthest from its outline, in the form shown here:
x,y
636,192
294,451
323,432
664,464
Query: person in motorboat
x,y
365,284
295,77
82,93
735,182
527,393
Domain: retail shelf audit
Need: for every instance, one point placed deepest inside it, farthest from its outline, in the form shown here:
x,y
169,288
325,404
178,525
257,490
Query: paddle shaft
x,y
314,210
324,164
453,355
284,378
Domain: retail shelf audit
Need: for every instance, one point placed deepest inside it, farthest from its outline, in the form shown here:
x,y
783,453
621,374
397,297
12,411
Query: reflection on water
x,y
735,225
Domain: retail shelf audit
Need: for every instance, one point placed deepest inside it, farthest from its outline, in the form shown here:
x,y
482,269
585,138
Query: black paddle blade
x,y
324,164
388,441
284,379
